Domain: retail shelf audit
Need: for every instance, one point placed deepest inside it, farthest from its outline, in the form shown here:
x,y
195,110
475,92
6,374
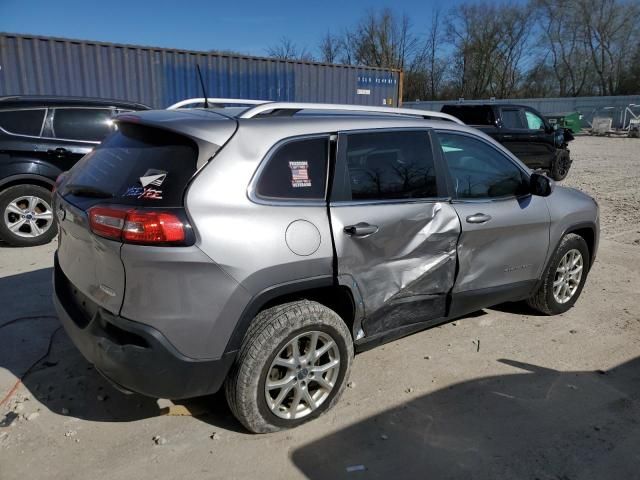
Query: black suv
x,y
41,137
524,131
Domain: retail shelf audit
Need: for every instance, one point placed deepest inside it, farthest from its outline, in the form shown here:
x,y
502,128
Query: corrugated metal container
x,y
33,65
613,107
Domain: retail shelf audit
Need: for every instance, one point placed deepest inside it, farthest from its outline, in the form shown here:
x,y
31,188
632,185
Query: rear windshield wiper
x,y
87,191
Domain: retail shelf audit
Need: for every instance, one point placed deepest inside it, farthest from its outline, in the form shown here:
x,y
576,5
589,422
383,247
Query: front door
x,y
542,149
505,230
395,235
514,134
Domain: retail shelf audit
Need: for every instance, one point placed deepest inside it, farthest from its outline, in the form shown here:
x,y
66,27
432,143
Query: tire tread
x,y
260,338
540,299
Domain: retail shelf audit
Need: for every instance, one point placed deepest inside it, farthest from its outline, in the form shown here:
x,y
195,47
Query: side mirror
x,y
540,185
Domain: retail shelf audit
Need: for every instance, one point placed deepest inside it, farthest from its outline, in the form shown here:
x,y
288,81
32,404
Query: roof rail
x,y
293,108
233,101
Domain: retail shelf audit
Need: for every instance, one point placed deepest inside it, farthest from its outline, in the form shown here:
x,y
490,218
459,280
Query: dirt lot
x,y
501,394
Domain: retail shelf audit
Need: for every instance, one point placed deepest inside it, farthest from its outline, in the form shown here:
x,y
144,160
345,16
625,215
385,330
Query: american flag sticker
x,y
300,174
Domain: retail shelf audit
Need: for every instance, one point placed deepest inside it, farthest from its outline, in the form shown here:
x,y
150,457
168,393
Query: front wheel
x,y
560,166
291,368
27,216
564,278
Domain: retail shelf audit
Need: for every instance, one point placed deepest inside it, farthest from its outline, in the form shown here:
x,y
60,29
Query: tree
x,y
427,70
480,50
381,39
630,82
286,49
330,48
488,45
609,28
565,49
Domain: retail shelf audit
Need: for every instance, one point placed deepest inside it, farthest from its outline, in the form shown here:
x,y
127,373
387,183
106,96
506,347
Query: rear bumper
x,y
134,356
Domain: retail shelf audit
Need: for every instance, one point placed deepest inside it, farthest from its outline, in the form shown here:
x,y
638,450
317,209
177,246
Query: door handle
x,y
59,152
361,229
478,218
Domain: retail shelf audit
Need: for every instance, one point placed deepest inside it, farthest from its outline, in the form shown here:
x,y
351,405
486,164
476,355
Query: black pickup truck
x,y
523,130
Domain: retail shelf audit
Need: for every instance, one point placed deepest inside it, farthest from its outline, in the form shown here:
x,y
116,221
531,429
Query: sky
x,y
245,26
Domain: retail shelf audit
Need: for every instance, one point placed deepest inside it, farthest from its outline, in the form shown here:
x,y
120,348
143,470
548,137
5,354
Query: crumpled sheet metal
x,y
413,253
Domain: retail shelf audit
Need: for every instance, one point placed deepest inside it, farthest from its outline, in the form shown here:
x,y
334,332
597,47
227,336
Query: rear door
x,y
505,230
138,166
74,131
395,234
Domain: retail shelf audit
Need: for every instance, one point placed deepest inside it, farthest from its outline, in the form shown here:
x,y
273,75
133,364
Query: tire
x,y
560,166
544,299
271,331
35,203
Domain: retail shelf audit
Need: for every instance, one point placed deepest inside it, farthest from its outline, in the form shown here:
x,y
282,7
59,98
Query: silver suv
x,y
257,247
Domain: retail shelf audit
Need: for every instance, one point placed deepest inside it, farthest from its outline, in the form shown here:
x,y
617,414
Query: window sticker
x,y
300,174
151,179
148,193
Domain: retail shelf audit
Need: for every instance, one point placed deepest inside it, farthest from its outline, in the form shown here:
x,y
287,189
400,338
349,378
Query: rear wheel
x,y
291,368
27,216
564,278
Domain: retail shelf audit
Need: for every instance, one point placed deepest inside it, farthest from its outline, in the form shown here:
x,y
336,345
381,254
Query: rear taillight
x,y
107,222
149,227
152,227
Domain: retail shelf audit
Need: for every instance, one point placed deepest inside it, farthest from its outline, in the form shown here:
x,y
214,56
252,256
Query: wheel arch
x,y
26,179
323,290
588,232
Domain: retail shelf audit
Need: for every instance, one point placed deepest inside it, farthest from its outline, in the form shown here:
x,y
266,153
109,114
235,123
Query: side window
x,y
478,170
296,171
23,122
511,118
90,124
534,122
391,165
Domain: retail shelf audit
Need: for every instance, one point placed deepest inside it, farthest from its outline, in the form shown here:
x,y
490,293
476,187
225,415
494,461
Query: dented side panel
x,y
404,271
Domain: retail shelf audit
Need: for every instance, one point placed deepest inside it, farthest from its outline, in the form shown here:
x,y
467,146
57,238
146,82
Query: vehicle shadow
x,y
517,308
32,342
538,423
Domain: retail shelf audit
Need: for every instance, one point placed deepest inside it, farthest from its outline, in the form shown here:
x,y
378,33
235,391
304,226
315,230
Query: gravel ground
x,y
503,393
609,170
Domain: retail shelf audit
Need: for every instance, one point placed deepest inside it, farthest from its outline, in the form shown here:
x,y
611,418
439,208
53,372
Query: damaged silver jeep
x,y
254,248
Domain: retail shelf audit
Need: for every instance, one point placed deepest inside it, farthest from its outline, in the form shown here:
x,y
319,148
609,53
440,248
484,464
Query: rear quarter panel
x,y
245,239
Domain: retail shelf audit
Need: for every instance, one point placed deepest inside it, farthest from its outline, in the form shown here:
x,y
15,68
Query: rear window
x,y
22,122
471,115
296,171
89,124
138,165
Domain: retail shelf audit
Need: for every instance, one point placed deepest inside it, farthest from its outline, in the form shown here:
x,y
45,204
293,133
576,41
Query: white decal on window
x,y
300,174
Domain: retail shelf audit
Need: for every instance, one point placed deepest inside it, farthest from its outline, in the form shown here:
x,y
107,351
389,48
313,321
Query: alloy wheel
x,y
28,216
302,375
568,276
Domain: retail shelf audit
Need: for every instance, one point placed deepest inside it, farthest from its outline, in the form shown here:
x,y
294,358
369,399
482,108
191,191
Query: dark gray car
x,y
258,247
